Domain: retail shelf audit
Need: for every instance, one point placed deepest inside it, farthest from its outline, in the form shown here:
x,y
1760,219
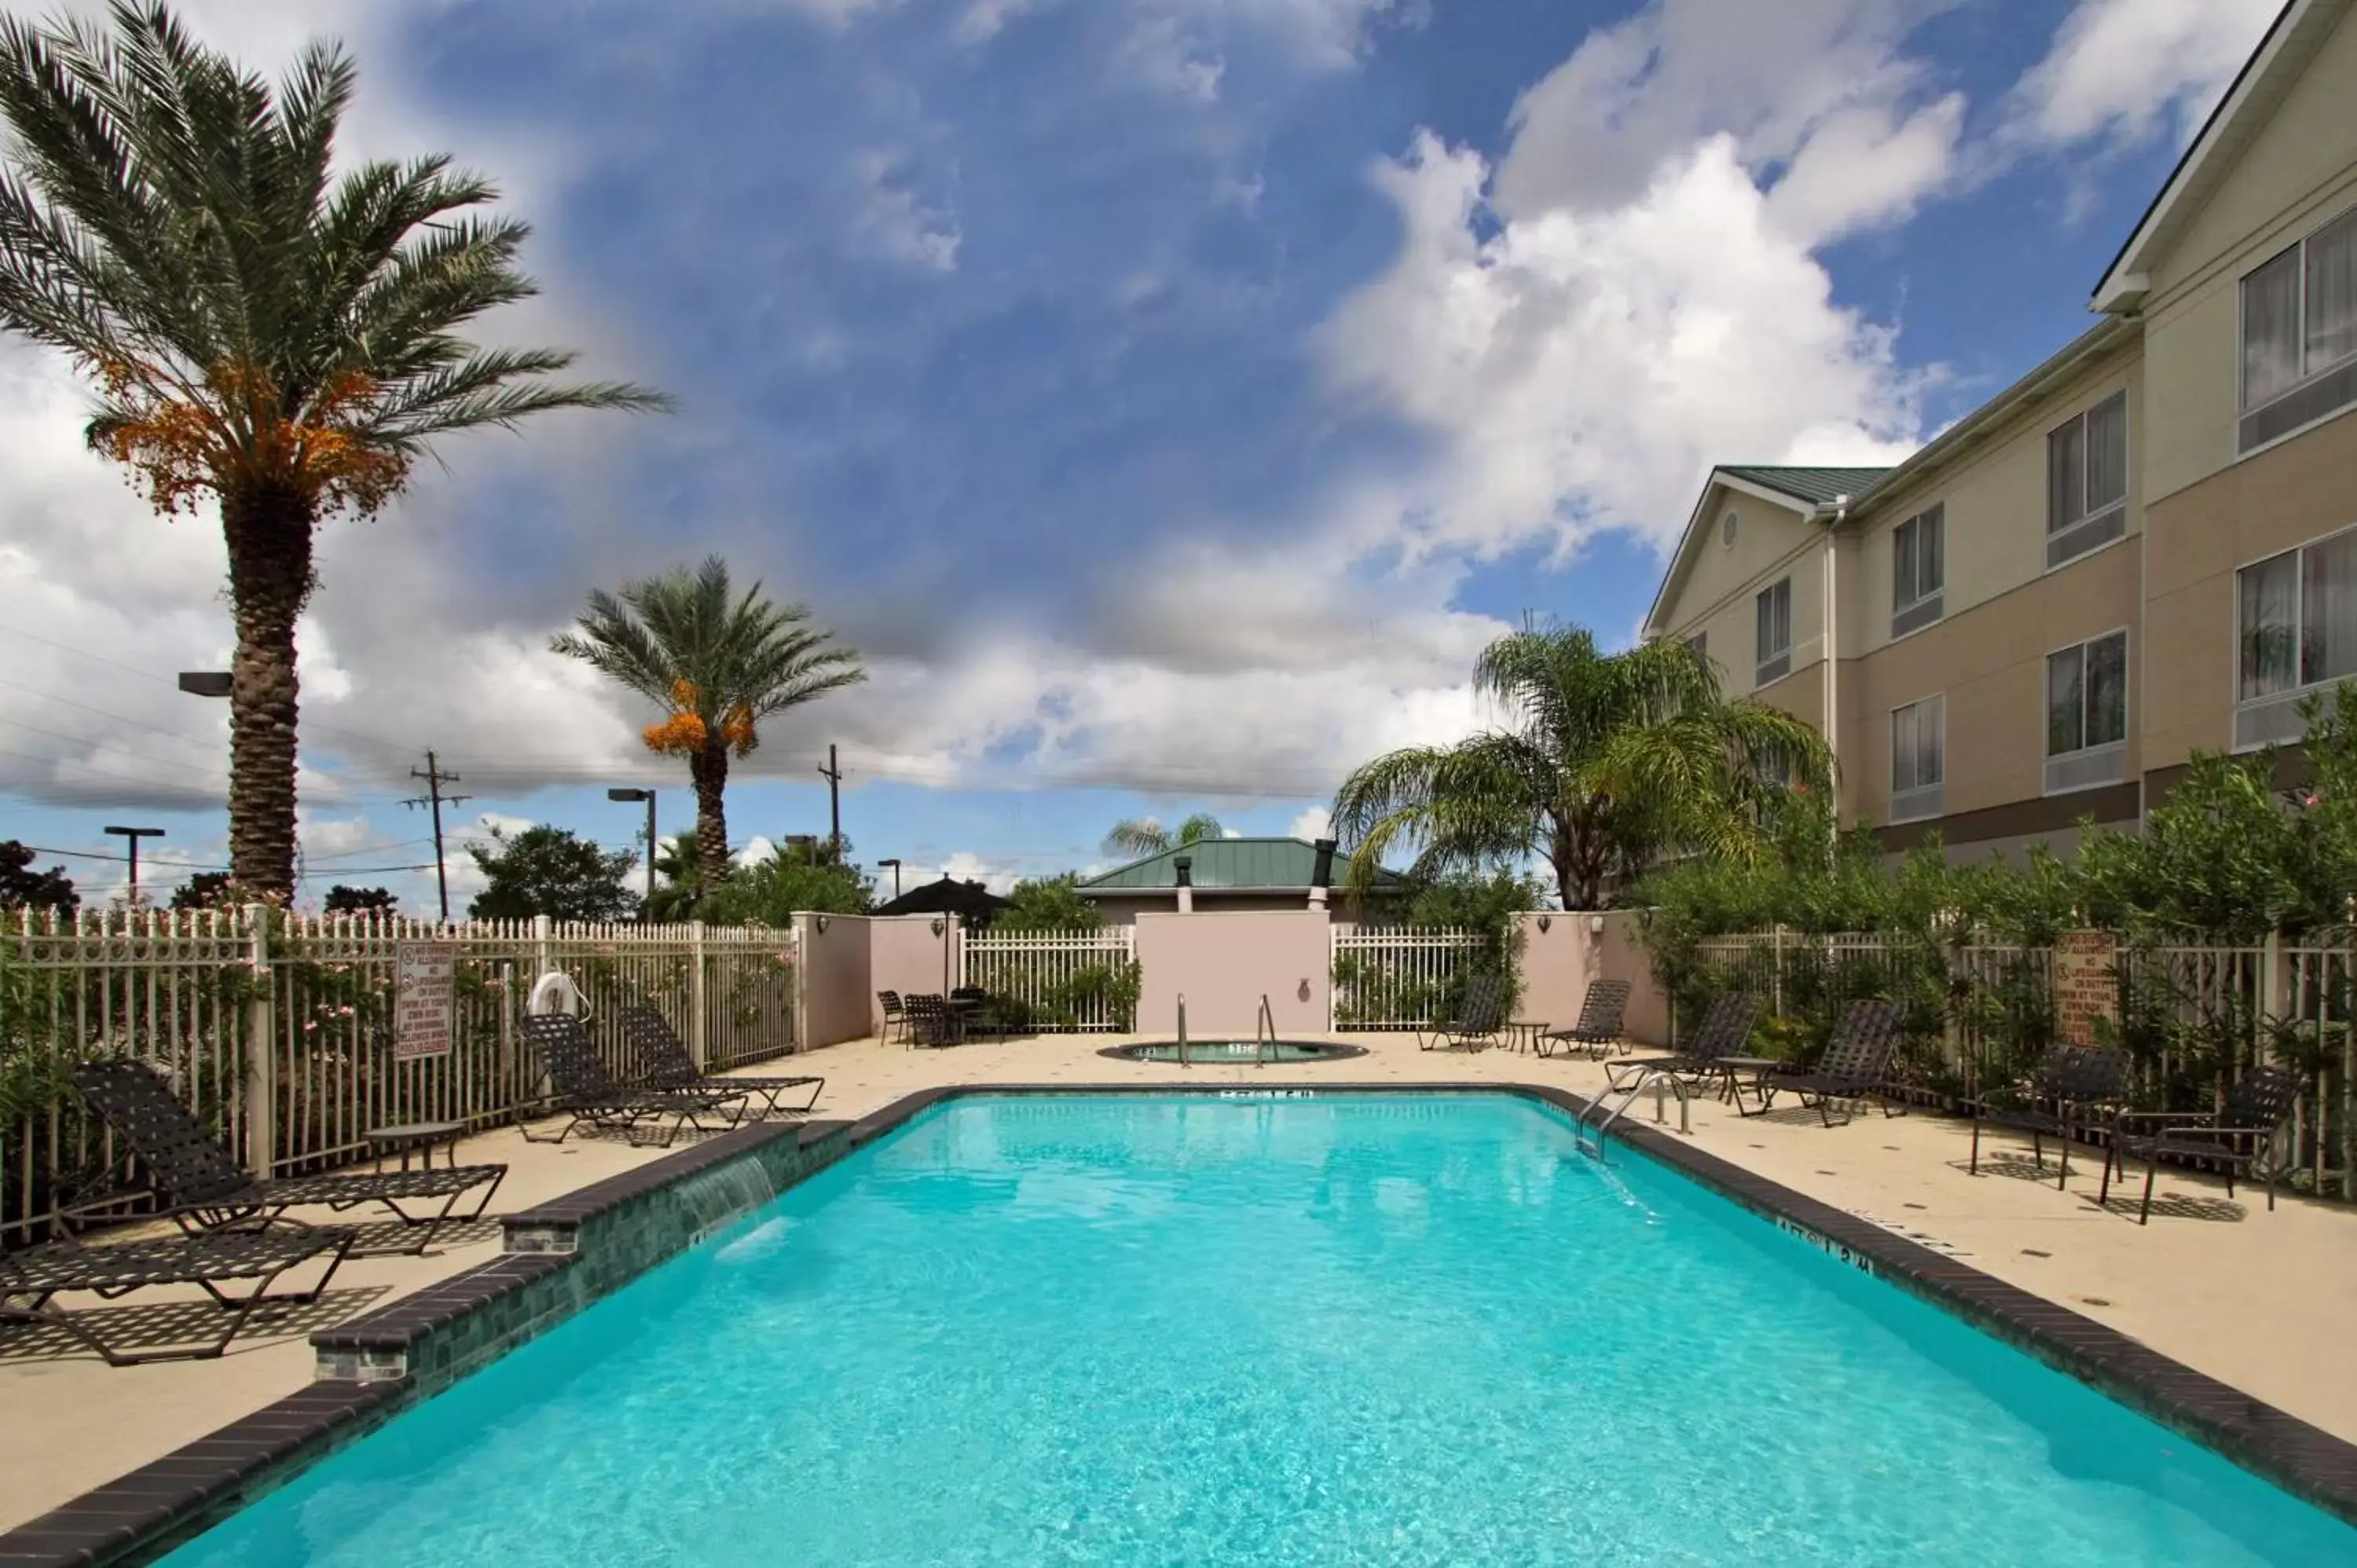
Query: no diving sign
x,y
423,998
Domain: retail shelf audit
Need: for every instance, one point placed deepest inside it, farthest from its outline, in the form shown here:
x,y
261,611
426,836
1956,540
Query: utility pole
x,y
434,778
135,835
834,777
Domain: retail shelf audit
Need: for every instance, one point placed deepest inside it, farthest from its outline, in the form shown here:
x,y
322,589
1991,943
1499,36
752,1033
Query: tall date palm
x,y
1607,762
261,331
717,662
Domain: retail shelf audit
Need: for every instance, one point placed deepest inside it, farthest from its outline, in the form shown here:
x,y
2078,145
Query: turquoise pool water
x,y
1377,1329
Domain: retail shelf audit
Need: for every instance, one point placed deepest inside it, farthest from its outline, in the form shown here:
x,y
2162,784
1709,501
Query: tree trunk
x,y
268,532
709,769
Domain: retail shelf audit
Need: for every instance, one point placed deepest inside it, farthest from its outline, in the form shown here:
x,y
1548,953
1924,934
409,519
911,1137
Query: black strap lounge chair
x,y
1724,1030
1598,1028
1855,1063
932,1021
895,1016
2237,1140
589,1096
664,1065
1480,1014
204,1188
2073,1089
29,1279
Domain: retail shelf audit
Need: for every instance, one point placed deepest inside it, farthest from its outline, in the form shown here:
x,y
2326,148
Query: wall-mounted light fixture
x,y
940,924
1544,921
1595,924
821,925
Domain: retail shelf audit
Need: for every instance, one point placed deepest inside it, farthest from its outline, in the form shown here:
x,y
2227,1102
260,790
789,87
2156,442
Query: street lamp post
x,y
134,835
627,795
896,874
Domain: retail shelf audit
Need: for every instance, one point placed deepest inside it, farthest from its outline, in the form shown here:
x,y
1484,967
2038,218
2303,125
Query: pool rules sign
x,y
424,999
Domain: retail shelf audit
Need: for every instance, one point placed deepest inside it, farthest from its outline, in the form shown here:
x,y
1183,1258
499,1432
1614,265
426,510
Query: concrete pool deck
x,y
2266,1303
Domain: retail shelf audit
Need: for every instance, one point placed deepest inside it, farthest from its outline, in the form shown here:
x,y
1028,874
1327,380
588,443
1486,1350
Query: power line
x,y
434,778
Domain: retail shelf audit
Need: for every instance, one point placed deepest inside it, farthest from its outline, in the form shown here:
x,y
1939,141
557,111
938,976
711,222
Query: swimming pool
x,y
1234,1053
1392,1330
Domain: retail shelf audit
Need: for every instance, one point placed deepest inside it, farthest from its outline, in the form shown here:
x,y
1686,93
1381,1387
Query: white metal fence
x,y
1396,977
278,1030
2198,1014
1057,980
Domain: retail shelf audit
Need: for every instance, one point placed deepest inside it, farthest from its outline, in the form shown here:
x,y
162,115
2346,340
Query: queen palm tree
x,y
260,331
1607,763
1141,836
717,662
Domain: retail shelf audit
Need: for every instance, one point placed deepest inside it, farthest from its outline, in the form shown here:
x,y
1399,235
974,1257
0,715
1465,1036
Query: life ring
x,y
553,993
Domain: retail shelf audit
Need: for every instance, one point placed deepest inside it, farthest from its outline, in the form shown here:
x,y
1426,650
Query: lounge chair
x,y
1598,1028
932,1021
896,1015
2074,1089
588,1095
201,1185
664,1065
2236,1139
1724,1030
1480,1014
30,1278
1855,1063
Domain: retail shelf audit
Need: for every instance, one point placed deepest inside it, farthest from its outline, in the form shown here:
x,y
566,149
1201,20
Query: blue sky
x,y
1168,399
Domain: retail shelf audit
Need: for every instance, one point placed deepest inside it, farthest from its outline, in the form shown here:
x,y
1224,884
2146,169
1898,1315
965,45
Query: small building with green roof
x,y
1228,874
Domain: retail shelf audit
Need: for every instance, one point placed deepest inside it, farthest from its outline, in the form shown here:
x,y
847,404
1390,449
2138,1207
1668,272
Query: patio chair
x,y
1598,1028
896,1015
203,1187
2073,1089
587,1094
665,1066
1480,1013
973,1006
2236,1139
1724,1030
1855,1063
31,1277
932,1022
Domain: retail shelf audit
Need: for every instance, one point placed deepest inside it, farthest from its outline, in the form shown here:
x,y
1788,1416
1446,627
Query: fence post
x,y
696,1048
261,1048
1776,972
543,929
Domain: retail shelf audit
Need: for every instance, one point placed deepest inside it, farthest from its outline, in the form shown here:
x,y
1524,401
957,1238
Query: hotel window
x,y
2299,334
2087,480
1775,618
1700,643
1919,561
2087,715
1919,760
2296,629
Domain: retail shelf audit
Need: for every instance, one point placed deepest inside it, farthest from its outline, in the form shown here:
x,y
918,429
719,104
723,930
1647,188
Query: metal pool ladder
x,y
1599,1114
1265,1034
1182,1028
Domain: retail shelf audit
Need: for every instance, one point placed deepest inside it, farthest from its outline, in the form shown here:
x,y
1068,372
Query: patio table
x,y
1760,1068
421,1138
1522,1034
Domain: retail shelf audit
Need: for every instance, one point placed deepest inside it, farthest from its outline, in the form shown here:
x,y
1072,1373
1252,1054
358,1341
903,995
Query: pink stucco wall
x,y
905,955
1559,962
836,1001
1224,963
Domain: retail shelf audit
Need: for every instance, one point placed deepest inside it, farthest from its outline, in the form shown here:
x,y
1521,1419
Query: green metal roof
x,y
1816,485
1227,863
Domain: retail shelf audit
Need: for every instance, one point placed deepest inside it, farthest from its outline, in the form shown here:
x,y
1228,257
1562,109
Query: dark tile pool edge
x,y
576,1249
2294,1454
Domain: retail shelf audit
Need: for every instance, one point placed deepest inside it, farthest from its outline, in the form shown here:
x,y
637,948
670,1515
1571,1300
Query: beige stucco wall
x,y
1223,964
1996,501
836,1001
1717,596
1990,661
2199,536
2300,171
904,955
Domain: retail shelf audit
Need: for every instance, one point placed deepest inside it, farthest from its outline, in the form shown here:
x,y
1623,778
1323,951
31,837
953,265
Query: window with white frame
x,y
2087,714
2296,629
1700,643
1919,570
2299,334
1774,610
2087,480
1919,758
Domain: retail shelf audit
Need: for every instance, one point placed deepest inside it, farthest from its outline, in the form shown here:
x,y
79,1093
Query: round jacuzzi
x,y
1234,1053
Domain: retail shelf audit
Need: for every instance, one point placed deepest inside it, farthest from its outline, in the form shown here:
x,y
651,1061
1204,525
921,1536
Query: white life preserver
x,y
553,993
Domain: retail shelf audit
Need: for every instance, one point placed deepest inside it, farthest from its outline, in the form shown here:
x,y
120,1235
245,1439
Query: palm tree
x,y
259,332
1141,836
1609,762
718,663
